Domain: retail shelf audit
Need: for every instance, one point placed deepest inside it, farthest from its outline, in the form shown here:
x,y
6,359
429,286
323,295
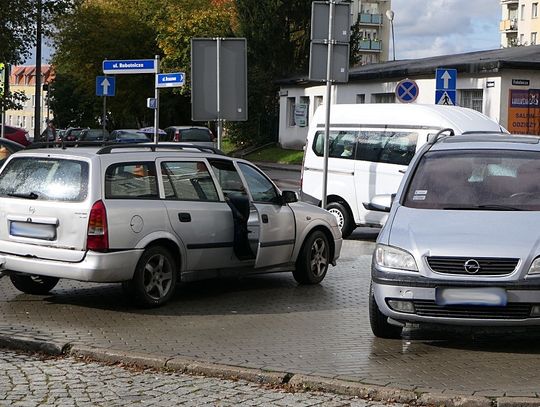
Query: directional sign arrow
x,y
446,77
105,84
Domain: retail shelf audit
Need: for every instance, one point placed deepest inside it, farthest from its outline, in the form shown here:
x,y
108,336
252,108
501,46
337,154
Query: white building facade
x,y
503,84
520,23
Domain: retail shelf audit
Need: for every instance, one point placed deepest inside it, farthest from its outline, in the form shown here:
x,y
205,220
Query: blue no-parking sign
x,y
407,91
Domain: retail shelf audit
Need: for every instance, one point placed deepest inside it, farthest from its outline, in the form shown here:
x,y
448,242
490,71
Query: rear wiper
x,y
491,207
29,195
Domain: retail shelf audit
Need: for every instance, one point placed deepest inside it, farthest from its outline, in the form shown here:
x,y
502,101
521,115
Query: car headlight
x,y
535,267
394,258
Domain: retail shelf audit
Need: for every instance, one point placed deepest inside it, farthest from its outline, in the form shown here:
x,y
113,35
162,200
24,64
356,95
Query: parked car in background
x,y
60,133
461,246
17,135
190,134
94,135
128,136
72,134
8,147
149,216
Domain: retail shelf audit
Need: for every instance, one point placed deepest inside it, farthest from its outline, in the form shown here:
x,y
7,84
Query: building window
x,y
522,14
521,39
472,98
32,123
533,38
33,100
534,13
383,98
291,105
317,101
302,118
361,98
10,120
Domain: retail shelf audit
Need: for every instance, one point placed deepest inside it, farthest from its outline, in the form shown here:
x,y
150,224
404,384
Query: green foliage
x,y
277,155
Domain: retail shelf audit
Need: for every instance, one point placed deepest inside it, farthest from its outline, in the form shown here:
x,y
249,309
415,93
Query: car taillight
x,y
176,135
97,237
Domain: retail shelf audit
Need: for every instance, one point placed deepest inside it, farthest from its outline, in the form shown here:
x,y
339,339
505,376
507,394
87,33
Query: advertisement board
x,y
524,111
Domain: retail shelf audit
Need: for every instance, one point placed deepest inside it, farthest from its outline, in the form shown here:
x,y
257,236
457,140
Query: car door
x,y
275,221
197,214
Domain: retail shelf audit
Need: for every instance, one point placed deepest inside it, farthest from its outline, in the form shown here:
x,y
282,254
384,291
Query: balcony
x,y
508,25
509,1
370,45
370,19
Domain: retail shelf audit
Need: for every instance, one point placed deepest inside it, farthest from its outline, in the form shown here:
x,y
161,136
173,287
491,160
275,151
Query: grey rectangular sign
x,y
232,72
340,62
320,11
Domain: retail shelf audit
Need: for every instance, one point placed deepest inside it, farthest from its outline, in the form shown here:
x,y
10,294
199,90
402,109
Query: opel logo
x,y
472,266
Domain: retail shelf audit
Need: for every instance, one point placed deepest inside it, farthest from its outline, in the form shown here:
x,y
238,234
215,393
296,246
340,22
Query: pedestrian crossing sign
x,y
445,97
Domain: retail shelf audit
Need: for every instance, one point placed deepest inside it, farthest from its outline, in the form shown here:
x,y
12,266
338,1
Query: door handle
x,y
264,218
184,217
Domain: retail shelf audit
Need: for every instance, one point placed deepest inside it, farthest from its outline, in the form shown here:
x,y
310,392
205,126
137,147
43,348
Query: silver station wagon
x,y
149,216
461,245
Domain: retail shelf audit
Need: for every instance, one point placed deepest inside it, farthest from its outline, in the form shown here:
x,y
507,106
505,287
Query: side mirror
x,y
289,197
380,203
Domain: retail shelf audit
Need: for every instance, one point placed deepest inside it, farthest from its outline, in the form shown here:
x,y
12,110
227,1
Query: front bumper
x,y
94,267
419,294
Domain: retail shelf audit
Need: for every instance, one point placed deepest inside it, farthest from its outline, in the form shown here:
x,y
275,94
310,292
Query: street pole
x,y
328,101
4,94
218,107
156,110
37,108
104,120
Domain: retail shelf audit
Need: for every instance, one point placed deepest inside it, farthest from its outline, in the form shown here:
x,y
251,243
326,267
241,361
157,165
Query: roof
x,y
470,62
489,141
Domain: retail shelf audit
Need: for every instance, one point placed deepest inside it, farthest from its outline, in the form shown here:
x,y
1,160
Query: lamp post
x,y
390,16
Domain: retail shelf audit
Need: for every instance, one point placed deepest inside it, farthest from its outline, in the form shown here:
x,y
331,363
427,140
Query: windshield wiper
x,y
29,195
490,207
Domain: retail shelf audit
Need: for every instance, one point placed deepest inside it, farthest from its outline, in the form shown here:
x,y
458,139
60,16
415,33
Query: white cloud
x,y
426,28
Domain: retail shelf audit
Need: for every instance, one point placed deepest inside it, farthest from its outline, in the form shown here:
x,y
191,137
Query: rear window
x,y
476,180
45,179
195,135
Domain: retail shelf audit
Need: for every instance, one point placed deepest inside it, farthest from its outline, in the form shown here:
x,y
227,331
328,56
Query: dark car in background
x,y
199,135
17,135
72,134
128,136
94,135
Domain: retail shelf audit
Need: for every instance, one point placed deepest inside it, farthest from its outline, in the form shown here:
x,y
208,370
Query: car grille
x,y
510,311
489,266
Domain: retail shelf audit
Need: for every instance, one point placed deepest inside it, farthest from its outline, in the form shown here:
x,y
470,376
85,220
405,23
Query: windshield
x,y
476,180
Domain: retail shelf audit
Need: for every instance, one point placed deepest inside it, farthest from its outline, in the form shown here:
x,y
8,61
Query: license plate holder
x,y
34,230
483,296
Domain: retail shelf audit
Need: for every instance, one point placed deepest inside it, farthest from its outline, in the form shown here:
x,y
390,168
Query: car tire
x,y
343,216
379,322
32,284
313,259
154,280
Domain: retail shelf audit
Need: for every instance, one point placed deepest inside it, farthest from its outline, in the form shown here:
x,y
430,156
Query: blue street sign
x,y
170,80
105,85
407,91
129,66
445,86
445,97
445,79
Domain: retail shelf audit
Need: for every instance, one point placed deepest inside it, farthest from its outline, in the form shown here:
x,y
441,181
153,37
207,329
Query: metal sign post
x,y
330,34
156,110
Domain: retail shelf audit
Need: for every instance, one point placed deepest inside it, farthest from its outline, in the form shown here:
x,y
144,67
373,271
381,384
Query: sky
x,y
425,28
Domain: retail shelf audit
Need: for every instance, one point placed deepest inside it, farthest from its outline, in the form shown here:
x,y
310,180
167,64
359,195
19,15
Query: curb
x,y
260,376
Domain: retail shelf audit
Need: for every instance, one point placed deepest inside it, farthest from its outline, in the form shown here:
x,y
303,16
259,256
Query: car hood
x,y
461,233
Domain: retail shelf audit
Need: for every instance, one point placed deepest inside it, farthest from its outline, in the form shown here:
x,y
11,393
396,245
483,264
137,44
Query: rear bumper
x,y
95,267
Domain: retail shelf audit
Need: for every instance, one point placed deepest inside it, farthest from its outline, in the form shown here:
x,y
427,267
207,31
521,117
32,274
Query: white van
x,y
370,147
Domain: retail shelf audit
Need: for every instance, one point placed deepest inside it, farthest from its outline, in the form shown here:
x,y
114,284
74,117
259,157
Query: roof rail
x,y
153,147
433,138
64,144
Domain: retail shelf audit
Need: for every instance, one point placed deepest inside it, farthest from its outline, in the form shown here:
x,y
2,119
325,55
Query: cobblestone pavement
x,y
26,380
269,322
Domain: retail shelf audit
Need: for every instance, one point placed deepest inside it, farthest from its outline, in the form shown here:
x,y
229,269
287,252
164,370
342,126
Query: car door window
x,y
188,180
228,178
261,188
131,181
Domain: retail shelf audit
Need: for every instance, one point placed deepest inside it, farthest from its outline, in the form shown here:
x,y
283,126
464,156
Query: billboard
x,y
524,111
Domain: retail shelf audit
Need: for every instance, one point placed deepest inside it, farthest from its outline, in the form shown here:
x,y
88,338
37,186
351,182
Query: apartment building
x,y
520,24
375,29
23,79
